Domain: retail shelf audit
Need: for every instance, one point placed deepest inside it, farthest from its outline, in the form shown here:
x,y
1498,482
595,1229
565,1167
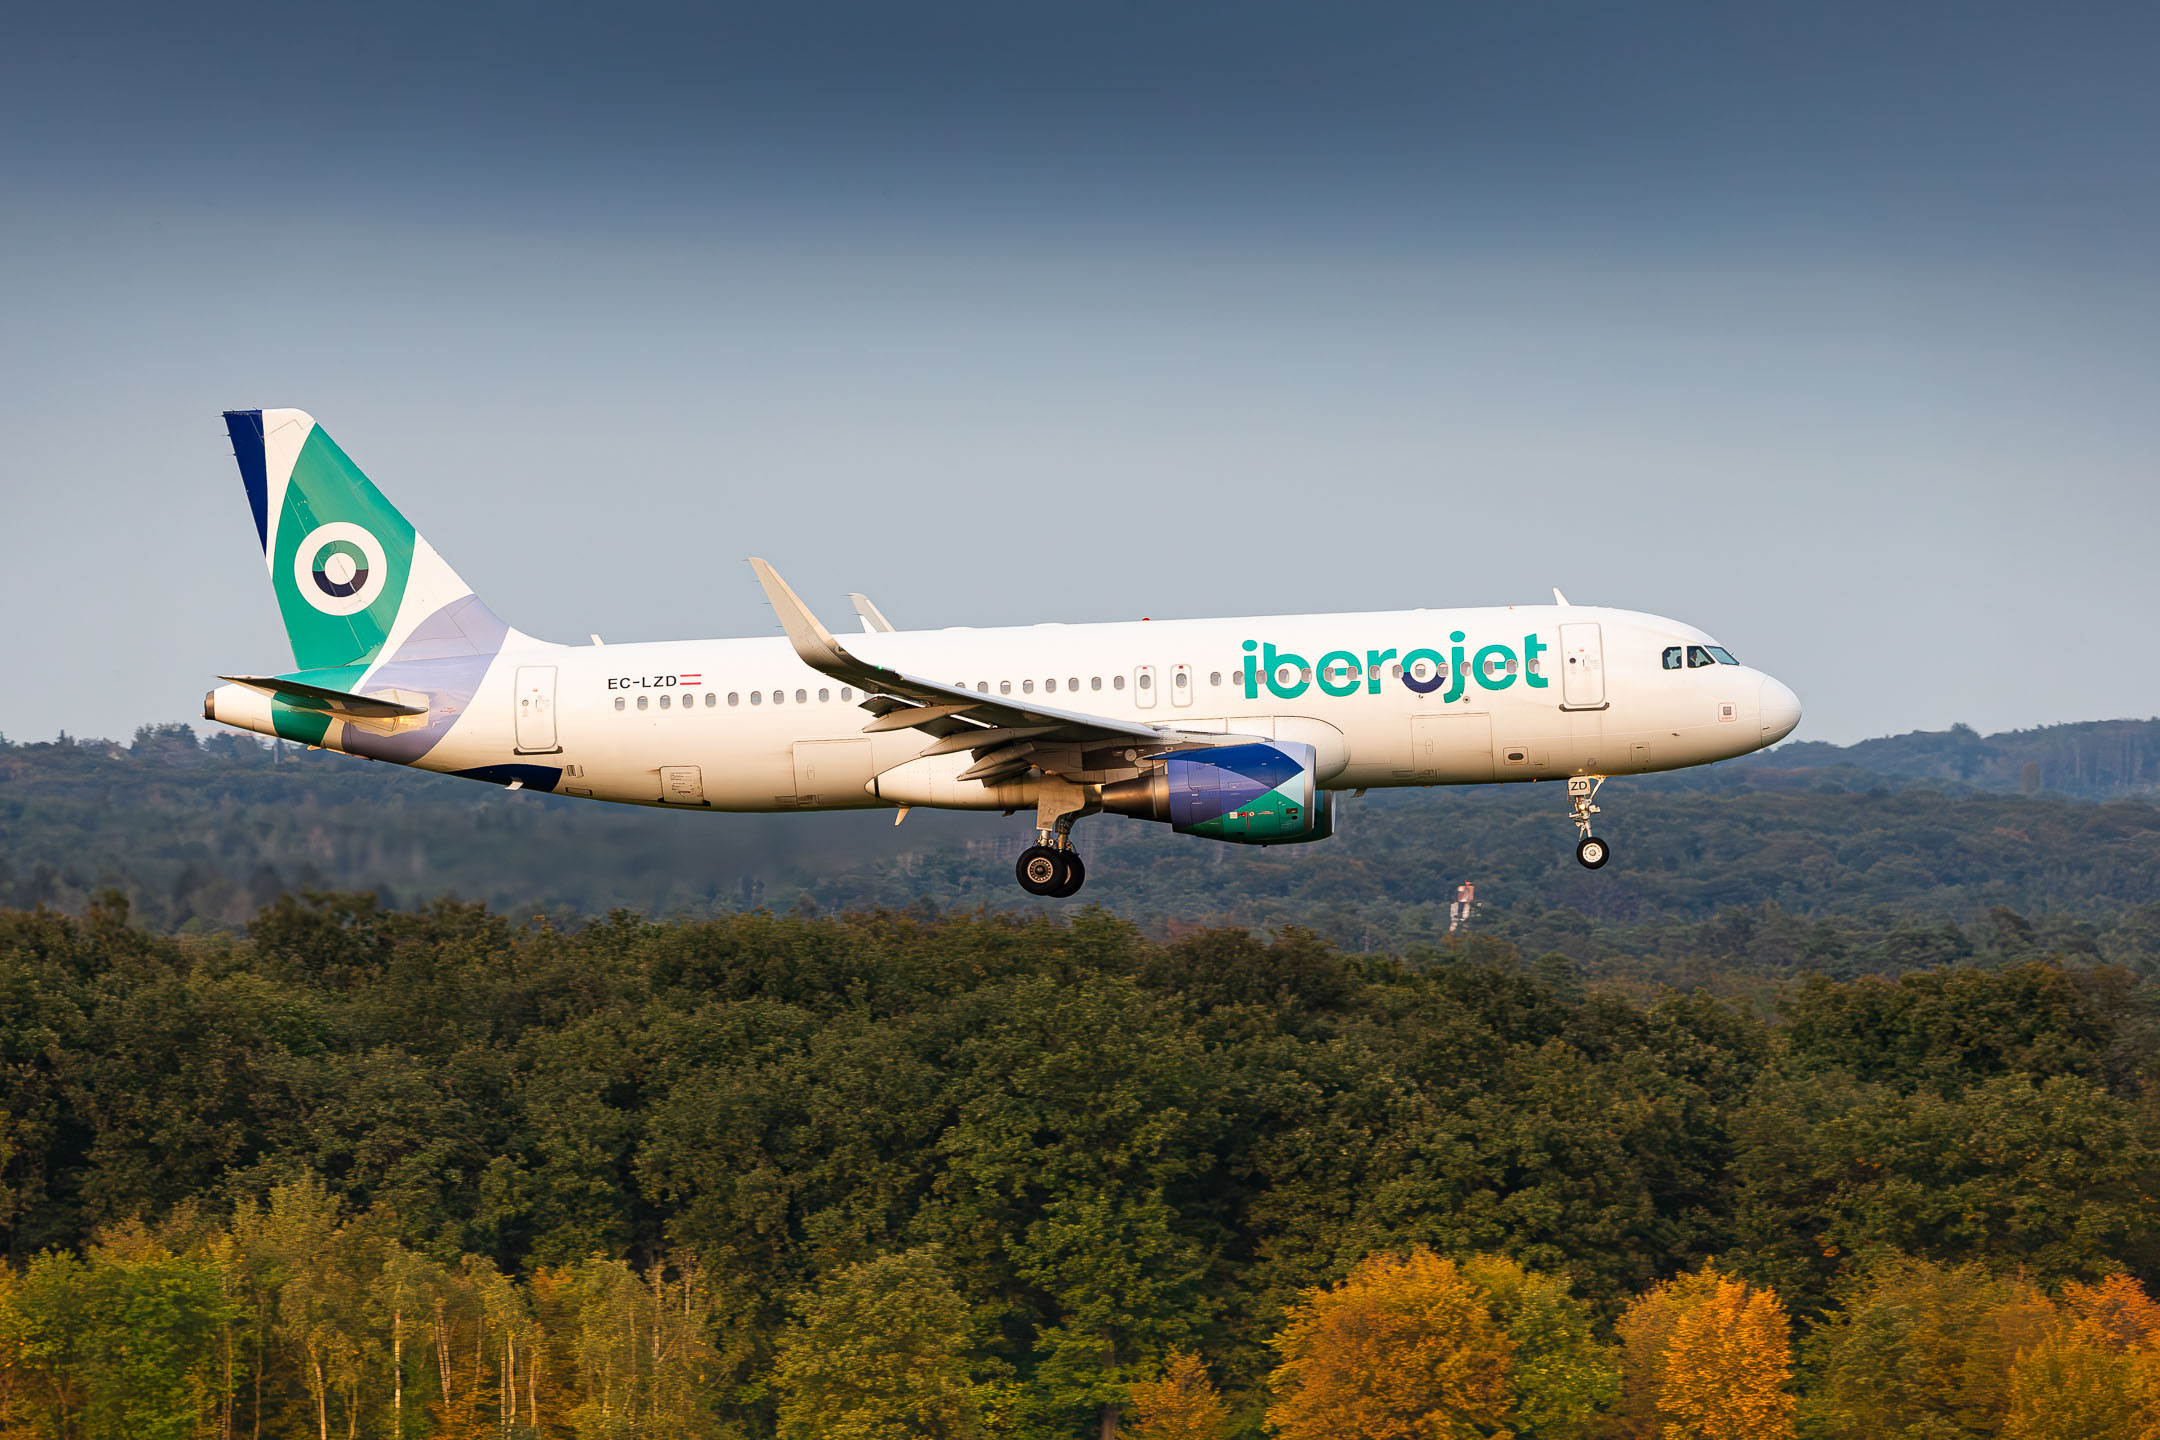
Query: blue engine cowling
x,y
1256,794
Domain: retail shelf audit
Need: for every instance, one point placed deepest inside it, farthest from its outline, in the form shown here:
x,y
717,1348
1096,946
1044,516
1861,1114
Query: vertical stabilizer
x,y
352,577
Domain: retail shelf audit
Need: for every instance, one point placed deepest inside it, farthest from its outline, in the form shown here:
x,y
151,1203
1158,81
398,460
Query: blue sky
x,y
1830,330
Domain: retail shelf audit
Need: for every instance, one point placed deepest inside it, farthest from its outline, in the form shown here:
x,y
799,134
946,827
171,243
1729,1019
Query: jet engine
x,y
1264,793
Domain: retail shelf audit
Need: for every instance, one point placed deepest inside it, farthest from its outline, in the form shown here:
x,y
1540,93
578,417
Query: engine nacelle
x,y
1259,794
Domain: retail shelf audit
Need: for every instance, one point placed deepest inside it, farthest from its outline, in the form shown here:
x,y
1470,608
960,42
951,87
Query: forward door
x,y
1582,667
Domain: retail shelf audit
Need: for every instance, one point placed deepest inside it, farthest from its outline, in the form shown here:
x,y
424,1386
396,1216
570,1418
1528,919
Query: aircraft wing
x,y
1007,736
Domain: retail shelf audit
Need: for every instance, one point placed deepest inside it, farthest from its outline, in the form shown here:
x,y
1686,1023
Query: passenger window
x,y
1214,677
618,702
823,696
1697,657
1095,683
1004,687
1027,687
982,687
1072,683
1117,682
757,697
1720,654
712,698
1672,657
1050,686
663,702
846,693
641,702
734,697
779,697
802,697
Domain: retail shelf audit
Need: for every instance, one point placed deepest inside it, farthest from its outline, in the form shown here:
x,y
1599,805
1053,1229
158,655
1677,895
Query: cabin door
x,y
1582,667
536,710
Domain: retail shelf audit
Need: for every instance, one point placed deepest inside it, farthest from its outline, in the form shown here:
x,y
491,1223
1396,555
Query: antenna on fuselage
x,y
1557,597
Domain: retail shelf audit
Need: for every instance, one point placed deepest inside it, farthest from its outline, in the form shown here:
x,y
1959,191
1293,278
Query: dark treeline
x,y
1737,874
1083,1148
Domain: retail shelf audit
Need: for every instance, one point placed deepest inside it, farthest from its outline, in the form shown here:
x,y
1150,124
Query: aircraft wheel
x,y
1075,876
1041,870
1592,852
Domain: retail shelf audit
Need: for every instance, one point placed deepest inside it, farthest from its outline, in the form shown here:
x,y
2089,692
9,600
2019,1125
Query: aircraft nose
x,y
1780,710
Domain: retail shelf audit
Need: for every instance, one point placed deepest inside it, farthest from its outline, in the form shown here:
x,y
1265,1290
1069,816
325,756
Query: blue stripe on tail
x,y
245,427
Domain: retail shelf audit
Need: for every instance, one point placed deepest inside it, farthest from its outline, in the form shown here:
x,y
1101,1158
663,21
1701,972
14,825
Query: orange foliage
x,y
1708,1358
1180,1405
1404,1349
2118,1308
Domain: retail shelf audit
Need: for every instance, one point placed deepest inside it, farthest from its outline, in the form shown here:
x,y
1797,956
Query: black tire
x,y
1040,870
1075,876
1592,852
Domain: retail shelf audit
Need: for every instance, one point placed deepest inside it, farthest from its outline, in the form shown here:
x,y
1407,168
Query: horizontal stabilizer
x,y
306,696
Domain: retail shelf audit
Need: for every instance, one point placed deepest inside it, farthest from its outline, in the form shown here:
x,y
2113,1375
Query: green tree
x,y
1563,1377
879,1349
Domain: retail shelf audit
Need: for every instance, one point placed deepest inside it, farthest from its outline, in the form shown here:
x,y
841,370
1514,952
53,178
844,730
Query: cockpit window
x,y
1720,654
1672,657
1698,657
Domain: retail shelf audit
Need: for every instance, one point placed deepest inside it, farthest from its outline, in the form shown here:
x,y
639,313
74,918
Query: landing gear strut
x,y
1589,850
1051,866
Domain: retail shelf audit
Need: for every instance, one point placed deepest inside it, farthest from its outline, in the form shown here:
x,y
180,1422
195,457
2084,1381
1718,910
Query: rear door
x,y
536,710
1582,667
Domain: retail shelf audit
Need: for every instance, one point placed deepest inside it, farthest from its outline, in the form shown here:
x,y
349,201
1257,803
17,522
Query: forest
x,y
1840,859
366,1171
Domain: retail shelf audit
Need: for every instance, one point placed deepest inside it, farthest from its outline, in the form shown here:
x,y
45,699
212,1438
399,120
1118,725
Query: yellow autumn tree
x,y
1404,1349
1180,1404
2095,1375
1708,1358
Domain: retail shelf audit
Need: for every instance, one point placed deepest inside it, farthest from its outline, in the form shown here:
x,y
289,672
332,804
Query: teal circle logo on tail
x,y
339,568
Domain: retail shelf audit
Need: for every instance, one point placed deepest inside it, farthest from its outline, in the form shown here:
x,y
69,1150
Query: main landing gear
x,y
1582,790
1045,870
1051,866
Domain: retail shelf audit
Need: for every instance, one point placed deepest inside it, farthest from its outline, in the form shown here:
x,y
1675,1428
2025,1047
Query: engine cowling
x,y
1258,794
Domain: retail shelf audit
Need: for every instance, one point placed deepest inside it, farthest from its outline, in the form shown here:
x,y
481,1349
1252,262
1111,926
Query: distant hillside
x,y
1851,849
2096,760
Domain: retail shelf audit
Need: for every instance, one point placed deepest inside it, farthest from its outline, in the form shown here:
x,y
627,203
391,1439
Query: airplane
x,y
1241,730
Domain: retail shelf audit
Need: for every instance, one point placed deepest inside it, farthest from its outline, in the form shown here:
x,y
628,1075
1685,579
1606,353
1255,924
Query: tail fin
x,y
351,575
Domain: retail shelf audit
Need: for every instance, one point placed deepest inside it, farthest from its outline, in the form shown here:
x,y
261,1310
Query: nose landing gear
x,y
1589,850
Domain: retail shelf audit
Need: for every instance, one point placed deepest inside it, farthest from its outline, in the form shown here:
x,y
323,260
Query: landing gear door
x,y
536,710
1582,667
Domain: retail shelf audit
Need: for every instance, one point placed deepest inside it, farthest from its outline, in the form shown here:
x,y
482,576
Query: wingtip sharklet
x,y
812,641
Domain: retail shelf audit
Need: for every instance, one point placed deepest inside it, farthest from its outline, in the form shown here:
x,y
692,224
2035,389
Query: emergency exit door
x,y
536,710
1582,667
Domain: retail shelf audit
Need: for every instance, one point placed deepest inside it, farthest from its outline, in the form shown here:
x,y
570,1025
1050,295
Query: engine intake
x,y
1257,794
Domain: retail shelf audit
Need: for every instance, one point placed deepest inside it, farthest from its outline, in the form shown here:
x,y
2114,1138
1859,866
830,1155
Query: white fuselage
x,y
745,725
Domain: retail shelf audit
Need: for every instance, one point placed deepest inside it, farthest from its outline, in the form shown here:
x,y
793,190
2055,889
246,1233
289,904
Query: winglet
x,y
812,641
1558,598
873,619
